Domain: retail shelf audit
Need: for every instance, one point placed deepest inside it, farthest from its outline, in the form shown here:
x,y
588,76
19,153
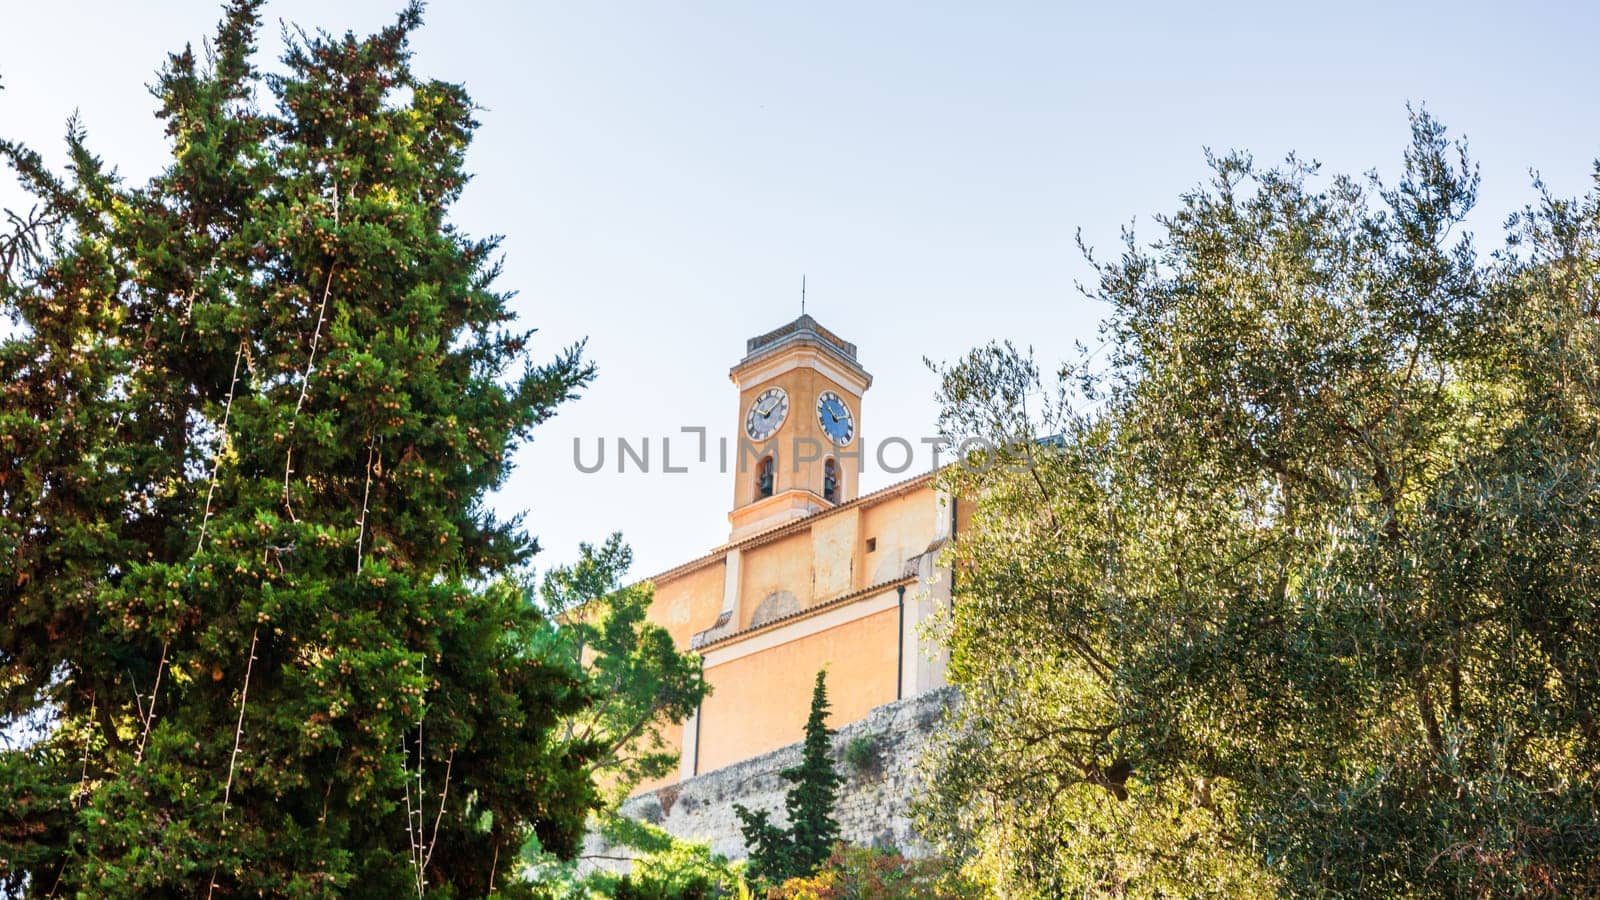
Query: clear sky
x,y
665,172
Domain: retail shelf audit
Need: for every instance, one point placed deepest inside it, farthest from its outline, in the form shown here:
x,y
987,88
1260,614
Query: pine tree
x,y
641,681
778,854
250,600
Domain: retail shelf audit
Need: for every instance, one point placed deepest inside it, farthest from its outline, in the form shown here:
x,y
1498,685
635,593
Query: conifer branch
x,y
83,777
414,821
216,461
327,793
366,494
238,732
412,839
238,736
494,866
22,244
150,712
316,337
433,841
305,383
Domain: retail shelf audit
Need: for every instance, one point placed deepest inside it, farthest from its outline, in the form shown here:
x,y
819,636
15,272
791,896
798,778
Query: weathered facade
x,y
813,575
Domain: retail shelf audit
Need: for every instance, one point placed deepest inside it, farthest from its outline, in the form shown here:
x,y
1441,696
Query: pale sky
x,y
665,172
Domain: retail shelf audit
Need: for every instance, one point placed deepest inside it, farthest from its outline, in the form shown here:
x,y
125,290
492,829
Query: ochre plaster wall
x,y
689,603
901,527
782,565
833,551
759,702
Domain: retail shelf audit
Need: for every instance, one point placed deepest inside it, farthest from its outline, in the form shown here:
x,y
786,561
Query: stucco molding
x,y
852,379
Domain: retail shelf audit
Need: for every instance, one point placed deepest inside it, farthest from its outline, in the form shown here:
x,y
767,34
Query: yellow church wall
x,y
782,565
688,602
684,604
964,510
759,701
760,680
900,528
833,554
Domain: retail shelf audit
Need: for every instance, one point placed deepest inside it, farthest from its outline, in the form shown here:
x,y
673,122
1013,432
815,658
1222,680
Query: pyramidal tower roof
x,y
802,328
803,332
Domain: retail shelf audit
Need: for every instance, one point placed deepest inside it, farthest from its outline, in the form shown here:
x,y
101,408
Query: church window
x,y
872,544
764,478
830,481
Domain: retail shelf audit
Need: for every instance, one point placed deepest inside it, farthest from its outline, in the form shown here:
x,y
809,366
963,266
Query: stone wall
x,y
874,801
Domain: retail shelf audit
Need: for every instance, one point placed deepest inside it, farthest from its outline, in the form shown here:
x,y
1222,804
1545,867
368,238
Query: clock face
x,y
835,418
767,414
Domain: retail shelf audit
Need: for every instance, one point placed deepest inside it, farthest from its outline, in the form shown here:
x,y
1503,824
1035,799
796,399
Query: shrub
x,y
857,873
861,754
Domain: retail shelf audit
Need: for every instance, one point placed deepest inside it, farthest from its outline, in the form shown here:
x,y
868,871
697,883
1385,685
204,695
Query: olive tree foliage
x,y
1300,598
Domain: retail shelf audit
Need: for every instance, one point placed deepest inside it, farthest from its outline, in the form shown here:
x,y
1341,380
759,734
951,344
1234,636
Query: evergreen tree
x,y
250,598
778,854
812,828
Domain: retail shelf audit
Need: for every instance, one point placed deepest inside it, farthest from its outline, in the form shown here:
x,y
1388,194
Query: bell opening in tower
x,y
764,474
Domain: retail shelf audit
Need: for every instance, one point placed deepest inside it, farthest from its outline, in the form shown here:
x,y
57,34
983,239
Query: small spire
x,y
802,295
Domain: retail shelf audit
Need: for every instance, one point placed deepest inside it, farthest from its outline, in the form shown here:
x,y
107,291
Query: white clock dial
x,y
834,416
767,414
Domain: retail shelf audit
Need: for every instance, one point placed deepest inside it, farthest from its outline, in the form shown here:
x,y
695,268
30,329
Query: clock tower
x,y
800,390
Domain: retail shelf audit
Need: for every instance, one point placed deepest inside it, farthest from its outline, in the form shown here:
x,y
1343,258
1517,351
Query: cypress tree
x,y
251,604
816,788
778,854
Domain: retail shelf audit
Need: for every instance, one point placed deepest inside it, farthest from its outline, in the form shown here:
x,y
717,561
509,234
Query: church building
x,y
813,574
